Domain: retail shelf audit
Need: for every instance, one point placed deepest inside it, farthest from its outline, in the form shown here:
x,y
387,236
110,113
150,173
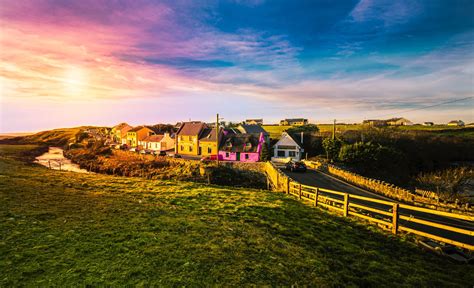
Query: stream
x,y
55,159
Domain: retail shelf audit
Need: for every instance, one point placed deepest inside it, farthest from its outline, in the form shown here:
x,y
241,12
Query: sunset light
x,y
236,143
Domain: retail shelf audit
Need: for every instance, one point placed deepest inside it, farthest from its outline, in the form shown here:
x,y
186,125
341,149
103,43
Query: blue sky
x,y
91,62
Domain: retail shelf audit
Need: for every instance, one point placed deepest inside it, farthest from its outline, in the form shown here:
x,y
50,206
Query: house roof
x,y
191,128
252,129
138,128
239,143
121,126
296,138
397,119
209,135
296,119
153,138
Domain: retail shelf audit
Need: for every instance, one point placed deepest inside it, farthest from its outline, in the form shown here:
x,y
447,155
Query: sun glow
x,y
75,81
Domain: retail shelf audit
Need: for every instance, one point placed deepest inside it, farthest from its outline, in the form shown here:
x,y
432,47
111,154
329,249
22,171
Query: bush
x,y
332,147
449,184
375,160
310,128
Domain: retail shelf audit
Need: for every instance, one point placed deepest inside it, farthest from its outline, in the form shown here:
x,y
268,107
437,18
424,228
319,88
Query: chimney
x,y
301,137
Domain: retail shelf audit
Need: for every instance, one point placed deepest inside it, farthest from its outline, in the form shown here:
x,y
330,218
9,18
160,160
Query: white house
x,y
158,142
399,122
456,123
288,148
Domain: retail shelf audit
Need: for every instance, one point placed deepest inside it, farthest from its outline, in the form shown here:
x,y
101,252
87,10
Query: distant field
x,y
67,229
275,131
12,135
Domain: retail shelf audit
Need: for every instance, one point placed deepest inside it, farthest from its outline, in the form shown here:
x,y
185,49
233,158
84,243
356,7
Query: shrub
x,y
375,160
449,184
332,147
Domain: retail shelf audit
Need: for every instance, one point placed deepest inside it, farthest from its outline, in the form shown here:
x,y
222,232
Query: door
x,y
238,156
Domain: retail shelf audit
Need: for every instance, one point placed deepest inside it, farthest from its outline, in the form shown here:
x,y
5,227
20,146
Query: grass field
x,y
66,229
275,130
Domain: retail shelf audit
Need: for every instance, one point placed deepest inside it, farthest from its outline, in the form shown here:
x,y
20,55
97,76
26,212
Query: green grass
x,y
442,130
275,130
67,229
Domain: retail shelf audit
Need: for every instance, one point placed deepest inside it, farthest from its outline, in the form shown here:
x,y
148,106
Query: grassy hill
x,y
67,229
55,137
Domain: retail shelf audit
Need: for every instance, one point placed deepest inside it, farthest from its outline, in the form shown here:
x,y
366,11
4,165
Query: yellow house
x,y
119,133
138,134
187,138
294,122
207,142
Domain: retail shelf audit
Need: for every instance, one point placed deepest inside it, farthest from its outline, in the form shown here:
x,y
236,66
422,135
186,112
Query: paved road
x,y
318,179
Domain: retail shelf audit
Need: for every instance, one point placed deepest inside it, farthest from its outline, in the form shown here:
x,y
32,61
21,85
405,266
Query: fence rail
x,y
417,197
386,214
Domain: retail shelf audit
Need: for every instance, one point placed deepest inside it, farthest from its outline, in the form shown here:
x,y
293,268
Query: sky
x,y
90,62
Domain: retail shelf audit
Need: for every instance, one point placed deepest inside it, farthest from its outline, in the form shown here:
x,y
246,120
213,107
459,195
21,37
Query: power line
x,y
426,107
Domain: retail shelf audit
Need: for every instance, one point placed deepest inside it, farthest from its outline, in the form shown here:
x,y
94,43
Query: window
x,y
227,154
281,153
182,148
190,148
291,153
246,156
287,147
209,150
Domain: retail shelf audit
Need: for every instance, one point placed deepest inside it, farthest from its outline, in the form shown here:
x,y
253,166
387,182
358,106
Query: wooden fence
x,y
386,214
418,197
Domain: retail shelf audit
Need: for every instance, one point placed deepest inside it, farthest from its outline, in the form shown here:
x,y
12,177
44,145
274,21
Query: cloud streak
x,y
170,52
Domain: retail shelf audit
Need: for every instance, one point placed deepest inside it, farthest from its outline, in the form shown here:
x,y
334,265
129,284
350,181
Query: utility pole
x,y
217,139
334,130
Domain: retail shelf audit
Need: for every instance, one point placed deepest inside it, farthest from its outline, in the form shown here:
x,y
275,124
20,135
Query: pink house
x,y
241,147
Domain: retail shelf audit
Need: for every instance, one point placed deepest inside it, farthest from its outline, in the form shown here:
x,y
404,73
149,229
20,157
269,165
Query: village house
x,y
253,122
241,147
294,122
157,142
456,123
375,123
208,142
288,147
254,129
119,133
399,122
138,134
187,138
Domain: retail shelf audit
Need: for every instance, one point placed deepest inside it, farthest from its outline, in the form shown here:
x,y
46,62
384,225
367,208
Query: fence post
x,y
49,164
278,180
287,185
395,218
346,204
316,195
300,192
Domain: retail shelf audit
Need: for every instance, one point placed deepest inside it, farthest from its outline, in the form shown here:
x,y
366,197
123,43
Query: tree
x,y
265,156
332,147
375,160
310,128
